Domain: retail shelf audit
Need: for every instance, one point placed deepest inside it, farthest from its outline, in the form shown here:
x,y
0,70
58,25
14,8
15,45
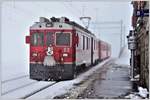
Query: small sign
x,y
142,13
131,42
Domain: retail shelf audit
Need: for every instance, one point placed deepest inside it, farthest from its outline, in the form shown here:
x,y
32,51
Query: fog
x,y
17,17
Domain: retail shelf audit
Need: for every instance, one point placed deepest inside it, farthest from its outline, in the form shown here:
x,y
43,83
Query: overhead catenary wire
x,y
19,10
76,11
15,11
44,8
70,10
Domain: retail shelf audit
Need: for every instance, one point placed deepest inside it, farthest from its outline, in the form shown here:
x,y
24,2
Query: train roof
x,y
65,20
79,26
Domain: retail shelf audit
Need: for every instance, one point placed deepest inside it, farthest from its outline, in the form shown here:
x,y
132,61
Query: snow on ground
x,y
26,91
64,86
11,70
54,90
133,96
143,92
124,58
15,84
85,75
20,88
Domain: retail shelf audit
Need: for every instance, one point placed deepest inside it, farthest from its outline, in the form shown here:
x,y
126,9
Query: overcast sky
x,y
17,17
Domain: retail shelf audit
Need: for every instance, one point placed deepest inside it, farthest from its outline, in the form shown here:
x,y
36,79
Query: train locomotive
x,y
58,46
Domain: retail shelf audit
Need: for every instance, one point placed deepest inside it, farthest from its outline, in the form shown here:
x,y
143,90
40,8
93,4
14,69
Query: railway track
x,y
18,88
38,90
15,83
25,88
22,87
13,79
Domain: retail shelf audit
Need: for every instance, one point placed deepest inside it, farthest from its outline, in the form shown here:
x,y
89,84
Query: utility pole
x,y
121,32
132,46
83,10
124,37
96,20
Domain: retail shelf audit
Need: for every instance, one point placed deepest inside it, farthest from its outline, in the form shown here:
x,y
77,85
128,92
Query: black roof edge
x,y
79,26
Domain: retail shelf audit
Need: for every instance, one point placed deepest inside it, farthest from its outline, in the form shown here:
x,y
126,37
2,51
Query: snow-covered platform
x,y
112,84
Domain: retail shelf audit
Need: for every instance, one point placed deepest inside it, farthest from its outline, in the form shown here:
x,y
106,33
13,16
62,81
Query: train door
x,y
92,52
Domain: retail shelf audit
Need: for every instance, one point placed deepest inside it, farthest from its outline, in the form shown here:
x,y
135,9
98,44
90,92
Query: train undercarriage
x,y
53,73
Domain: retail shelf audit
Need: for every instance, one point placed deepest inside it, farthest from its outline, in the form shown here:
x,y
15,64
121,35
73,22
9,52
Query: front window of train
x,y
37,39
63,39
50,39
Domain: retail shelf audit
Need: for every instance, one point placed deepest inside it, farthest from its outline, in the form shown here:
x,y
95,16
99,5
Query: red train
x,y
58,46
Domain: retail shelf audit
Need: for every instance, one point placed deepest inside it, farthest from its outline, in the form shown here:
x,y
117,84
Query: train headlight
x,y
34,54
65,55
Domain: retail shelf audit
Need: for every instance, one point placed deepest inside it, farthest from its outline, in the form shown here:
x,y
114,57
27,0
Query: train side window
x,y
94,44
87,43
97,44
78,40
83,42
